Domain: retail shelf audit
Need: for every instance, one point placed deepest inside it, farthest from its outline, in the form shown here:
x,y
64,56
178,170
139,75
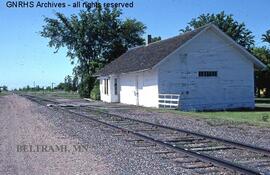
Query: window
x,y
106,86
115,86
208,73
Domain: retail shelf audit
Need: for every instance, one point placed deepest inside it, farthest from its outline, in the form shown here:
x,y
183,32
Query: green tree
x,y
93,38
95,93
266,37
27,88
48,88
75,83
263,54
155,39
262,78
5,88
226,23
37,88
68,83
60,86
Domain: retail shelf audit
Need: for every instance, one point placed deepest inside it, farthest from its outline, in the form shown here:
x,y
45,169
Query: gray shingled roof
x,y
145,57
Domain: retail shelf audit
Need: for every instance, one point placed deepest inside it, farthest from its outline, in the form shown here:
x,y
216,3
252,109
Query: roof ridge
x,y
180,35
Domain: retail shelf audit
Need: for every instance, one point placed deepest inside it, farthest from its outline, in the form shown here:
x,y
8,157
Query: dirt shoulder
x,y
21,124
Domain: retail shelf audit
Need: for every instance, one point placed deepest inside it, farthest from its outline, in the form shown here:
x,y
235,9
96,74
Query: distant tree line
x,y
3,88
69,84
34,89
95,37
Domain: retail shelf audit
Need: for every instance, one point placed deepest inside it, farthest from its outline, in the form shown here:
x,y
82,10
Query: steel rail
x,y
201,156
227,141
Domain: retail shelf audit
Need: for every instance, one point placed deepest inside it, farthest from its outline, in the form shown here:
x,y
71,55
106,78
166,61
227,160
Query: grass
x,y
260,116
3,93
57,94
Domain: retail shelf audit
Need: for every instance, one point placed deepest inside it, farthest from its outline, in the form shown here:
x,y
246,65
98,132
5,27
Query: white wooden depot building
x,y
199,70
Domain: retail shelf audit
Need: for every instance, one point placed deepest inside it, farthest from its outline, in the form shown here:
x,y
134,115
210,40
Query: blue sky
x,y
25,56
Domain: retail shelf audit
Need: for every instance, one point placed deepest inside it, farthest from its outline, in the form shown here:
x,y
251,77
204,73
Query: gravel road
x,y
22,124
25,123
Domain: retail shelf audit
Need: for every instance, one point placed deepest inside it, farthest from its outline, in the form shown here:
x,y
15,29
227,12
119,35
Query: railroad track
x,y
203,154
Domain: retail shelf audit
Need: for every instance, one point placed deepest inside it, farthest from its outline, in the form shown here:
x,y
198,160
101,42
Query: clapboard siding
x,y
139,88
232,88
178,74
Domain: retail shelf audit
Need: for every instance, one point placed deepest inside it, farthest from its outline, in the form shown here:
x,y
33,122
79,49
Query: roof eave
x,y
259,65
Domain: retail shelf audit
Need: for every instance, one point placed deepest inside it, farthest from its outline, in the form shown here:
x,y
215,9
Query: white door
x,y
140,90
137,89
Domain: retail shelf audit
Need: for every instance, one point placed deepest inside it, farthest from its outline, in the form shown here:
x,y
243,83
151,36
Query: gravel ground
x,y
259,136
23,122
255,135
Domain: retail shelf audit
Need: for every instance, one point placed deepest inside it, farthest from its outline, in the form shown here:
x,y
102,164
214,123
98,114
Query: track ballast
x,y
201,153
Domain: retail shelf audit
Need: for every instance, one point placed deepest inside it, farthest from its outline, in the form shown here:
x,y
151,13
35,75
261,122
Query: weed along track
x,y
202,154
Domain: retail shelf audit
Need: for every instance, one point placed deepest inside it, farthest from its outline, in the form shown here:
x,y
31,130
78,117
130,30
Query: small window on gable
x,y
207,73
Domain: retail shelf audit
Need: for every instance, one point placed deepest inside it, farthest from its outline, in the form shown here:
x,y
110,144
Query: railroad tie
x,y
195,165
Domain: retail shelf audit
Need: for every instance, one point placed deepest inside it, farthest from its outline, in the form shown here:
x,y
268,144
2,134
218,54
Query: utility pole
x,y
52,86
